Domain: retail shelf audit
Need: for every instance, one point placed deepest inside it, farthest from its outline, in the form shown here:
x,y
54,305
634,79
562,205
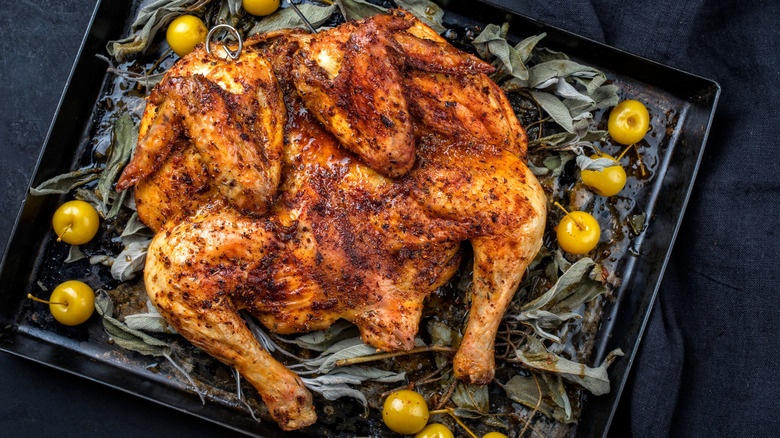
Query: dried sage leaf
x,y
637,222
553,106
492,42
66,182
151,322
523,390
358,9
595,380
596,165
324,339
74,254
124,136
336,383
134,227
581,282
557,392
130,261
427,11
125,336
346,349
473,397
572,289
286,18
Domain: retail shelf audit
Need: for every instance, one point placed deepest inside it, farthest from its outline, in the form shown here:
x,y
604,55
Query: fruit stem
x,y
59,236
638,157
451,413
380,356
625,149
576,222
30,296
159,60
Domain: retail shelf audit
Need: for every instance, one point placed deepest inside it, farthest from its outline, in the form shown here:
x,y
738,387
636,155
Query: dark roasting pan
x,y
693,98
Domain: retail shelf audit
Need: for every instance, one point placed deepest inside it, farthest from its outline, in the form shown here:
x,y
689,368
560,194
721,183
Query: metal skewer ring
x,y
233,55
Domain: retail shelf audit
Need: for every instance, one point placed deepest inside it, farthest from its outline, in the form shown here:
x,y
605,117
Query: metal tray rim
x,y
618,389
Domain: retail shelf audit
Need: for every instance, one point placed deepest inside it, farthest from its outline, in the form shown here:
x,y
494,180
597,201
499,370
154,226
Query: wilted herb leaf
x,y
473,397
286,18
346,349
492,42
66,182
336,383
594,380
130,261
523,390
578,285
358,9
124,136
637,222
427,11
596,165
74,254
125,336
323,339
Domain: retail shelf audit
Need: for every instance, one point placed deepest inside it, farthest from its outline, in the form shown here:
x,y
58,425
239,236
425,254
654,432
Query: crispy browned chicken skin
x,y
339,239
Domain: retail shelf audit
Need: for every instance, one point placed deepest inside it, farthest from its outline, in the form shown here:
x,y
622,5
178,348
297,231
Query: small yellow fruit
x,y
184,33
261,8
71,303
628,122
578,232
405,412
607,182
75,222
435,430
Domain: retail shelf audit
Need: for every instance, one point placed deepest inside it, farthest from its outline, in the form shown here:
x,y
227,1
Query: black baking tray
x,y
692,98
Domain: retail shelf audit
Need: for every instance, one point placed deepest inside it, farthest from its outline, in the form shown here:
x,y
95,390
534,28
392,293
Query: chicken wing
x,y
229,117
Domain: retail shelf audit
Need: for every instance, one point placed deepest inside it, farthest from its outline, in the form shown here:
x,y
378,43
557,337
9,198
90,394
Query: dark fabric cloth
x,y
707,363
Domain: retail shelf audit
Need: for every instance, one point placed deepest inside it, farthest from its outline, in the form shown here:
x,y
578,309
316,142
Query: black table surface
x,y
706,364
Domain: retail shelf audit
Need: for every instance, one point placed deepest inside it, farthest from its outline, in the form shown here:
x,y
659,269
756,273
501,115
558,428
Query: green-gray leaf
x,y
553,106
472,397
596,165
323,339
359,9
286,18
572,289
427,11
130,261
74,254
124,136
523,390
492,42
334,384
558,393
637,222
134,227
346,349
66,182
123,335
595,380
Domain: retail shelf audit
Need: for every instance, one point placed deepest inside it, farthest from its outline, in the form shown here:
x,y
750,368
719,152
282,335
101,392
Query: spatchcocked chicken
x,y
332,176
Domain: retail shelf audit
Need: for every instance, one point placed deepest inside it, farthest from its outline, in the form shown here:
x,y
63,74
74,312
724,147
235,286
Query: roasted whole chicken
x,y
332,176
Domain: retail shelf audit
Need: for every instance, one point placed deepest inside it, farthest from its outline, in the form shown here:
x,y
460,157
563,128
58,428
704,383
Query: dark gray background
x,y
707,366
